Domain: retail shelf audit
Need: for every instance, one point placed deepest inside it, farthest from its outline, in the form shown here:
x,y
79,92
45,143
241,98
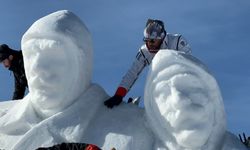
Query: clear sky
x,y
217,30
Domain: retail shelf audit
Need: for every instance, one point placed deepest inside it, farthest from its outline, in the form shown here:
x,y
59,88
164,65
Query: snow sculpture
x,y
58,61
57,52
183,103
63,105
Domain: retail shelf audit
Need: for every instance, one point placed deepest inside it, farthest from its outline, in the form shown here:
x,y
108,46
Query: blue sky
x,y
217,30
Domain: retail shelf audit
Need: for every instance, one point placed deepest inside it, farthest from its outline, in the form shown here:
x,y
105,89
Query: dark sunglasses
x,y
149,40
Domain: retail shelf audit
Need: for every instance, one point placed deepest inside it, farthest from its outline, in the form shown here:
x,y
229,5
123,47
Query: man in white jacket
x,y
155,38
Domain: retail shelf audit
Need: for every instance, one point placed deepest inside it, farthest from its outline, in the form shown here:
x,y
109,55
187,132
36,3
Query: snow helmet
x,y
154,30
5,52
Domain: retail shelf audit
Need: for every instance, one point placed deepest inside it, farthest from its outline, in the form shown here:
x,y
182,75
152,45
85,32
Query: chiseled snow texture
x,y
183,106
57,52
63,105
183,99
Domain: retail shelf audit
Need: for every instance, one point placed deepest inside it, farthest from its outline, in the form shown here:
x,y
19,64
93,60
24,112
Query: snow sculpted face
x,y
183,102
57,53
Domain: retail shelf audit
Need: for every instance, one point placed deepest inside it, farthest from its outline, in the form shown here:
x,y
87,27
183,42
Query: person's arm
x,y
19,90
132,74
183,45
128,80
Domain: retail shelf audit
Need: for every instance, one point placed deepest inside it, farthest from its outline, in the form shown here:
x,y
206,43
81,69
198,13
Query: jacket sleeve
x,y
19,90
132,74
183,45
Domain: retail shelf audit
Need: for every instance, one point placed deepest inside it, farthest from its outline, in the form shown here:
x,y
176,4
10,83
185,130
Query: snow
x,y
183,105
55,79
183,99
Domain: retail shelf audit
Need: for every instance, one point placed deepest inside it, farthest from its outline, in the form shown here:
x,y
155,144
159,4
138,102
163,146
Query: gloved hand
x,y
114,100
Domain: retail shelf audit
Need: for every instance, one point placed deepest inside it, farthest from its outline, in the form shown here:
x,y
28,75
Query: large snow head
x,y
183,102
57,52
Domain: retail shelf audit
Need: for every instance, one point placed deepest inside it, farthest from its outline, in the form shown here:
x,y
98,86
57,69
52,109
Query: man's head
x,y
154,34
5,55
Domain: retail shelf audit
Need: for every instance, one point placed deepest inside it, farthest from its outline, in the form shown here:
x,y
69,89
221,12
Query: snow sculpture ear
x,y
57,52
183,102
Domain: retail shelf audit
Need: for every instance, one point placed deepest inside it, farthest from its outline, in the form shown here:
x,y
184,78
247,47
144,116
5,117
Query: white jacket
x,y
144,57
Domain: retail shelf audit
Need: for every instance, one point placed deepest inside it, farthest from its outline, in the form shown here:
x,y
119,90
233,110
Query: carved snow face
x,y
49,68
180,100
57,61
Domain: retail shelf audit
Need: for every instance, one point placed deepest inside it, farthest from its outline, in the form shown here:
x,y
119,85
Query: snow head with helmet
x,y
154,34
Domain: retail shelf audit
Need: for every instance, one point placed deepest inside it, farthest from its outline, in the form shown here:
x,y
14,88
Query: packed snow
x,y
183,105
183,99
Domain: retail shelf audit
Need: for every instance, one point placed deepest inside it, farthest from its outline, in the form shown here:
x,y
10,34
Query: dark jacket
x,y
17,67
71,146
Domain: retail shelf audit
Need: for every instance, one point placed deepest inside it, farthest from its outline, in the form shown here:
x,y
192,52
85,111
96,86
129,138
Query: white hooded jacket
x,y
144,58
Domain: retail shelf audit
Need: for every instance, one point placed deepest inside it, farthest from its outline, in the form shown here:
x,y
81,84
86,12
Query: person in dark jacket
x,y
71,146
13,60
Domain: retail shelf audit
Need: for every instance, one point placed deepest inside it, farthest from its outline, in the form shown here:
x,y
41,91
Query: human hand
x,y
114,100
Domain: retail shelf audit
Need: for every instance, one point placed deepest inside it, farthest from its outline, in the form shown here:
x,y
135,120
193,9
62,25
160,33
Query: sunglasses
x,y
149,40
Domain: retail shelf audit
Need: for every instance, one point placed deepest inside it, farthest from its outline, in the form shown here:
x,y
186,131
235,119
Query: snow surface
x,y
183,105
183,99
